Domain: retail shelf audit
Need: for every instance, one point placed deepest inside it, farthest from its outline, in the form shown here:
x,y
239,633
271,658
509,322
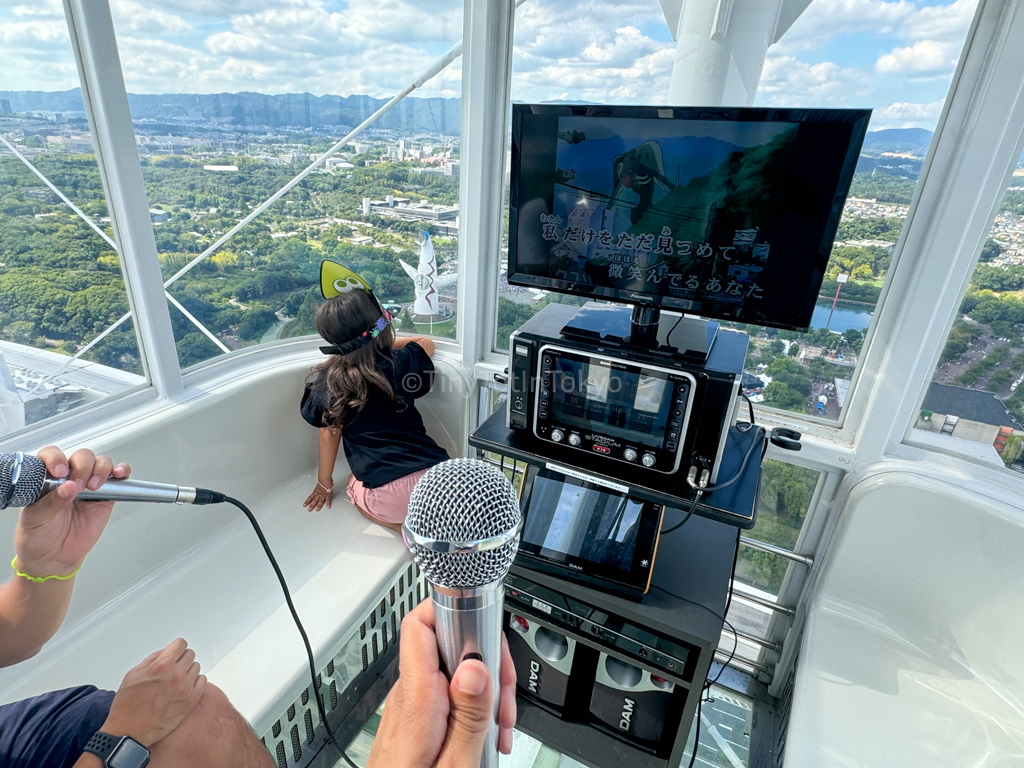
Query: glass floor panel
x,y
724,739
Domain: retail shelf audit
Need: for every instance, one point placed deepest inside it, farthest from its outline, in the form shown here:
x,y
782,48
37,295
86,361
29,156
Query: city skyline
x,y
895,56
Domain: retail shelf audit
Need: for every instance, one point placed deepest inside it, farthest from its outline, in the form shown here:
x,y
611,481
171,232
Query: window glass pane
x,y
230,106
611,53
786,492
897,58
974,404
60,277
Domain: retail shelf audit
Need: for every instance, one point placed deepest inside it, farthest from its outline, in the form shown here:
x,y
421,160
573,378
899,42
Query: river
x,y
846,316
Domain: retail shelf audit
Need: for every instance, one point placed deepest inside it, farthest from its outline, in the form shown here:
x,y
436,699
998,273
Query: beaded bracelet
x,y
325,487
41,579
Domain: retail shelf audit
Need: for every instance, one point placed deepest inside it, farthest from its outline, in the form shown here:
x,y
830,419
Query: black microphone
x,y
23,481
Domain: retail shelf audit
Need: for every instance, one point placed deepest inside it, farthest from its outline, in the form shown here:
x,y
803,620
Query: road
x,y
274,332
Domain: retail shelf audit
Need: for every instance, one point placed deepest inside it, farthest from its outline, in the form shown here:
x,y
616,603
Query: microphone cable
x,y
298,624
700,491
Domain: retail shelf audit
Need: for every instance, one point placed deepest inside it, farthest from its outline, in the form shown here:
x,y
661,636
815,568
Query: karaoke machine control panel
x,y
579,619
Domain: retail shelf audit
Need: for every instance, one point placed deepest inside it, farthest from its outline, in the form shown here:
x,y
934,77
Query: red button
x,y
602,449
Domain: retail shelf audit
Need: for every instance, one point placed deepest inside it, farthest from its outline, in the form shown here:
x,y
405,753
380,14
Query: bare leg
x,y
214,735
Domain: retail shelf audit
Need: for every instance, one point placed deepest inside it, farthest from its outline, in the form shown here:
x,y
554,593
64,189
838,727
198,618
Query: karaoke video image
x,y
686,209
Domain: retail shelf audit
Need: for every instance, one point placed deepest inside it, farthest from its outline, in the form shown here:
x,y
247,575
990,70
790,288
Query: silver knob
x,y
629,454
648,460
574,439
557,435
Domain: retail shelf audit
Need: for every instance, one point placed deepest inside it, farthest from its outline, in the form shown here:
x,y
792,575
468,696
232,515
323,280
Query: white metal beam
x,y
106,104
486,94
721,47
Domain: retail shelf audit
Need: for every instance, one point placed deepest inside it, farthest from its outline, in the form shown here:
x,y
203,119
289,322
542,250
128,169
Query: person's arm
x,y
426,344
52,538
154,698
88,760
330,440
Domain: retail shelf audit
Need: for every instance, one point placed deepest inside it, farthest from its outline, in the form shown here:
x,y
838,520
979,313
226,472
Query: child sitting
x,y
362,396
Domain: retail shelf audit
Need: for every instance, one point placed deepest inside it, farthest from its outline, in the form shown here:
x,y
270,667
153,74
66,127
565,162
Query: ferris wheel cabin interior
x,y
825,197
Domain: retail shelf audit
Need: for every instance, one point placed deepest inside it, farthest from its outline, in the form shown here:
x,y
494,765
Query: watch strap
x,y
102,744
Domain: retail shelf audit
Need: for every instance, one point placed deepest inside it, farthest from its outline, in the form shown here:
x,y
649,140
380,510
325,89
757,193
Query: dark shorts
x,y
50,731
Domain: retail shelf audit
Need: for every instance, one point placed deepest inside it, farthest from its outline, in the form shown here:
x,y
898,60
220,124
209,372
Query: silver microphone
x,y
463,530
23,481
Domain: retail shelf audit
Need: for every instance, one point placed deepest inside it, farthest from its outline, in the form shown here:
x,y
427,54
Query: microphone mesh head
x,y
463,500
30,480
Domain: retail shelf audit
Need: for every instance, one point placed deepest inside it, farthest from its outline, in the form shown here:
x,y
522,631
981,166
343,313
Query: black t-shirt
x,y
386,439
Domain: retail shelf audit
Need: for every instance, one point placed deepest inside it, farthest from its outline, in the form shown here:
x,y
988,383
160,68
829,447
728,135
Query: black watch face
x,y
129,754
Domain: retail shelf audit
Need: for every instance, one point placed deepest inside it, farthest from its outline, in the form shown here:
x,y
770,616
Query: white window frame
x,y
106,105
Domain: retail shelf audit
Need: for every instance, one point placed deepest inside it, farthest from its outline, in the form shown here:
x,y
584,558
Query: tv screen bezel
x,y
857,118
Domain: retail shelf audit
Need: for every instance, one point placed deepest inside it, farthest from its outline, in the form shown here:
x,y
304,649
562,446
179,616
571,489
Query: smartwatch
x,y
118,751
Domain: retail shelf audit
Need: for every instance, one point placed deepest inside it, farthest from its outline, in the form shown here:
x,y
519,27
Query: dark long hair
x,y
350,377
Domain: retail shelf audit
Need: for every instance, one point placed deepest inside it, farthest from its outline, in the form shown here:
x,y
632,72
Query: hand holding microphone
x,y
57,531
463,529
429,722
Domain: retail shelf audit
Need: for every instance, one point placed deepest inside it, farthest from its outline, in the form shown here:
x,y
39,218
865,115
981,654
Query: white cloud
x,y
33,34
132,15
152,65
43,9
787,81
924,57
941,22
907,115
586,52
216,9
643,80
827,19
373,48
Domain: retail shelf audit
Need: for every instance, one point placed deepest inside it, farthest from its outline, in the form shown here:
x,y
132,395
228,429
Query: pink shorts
x,y
387,504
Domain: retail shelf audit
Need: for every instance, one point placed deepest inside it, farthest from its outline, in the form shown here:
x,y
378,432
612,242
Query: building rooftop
x,y
967,404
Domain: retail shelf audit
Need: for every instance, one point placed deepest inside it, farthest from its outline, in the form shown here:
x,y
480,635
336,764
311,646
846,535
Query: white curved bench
x,y
912,651
162,571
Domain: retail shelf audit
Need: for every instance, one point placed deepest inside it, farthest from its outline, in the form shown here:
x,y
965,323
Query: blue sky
x,y
895,56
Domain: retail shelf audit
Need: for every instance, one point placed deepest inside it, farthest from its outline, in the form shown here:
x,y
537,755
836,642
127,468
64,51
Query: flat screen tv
x,y
727,213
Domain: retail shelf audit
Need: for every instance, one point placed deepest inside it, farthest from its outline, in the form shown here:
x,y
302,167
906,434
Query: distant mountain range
x,y
292,110
911,140
304,110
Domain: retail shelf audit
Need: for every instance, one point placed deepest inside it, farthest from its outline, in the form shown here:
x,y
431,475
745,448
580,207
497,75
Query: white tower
x,y
721,47
427,304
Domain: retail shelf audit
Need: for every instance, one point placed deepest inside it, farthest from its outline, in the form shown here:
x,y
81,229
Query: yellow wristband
x,y
41,579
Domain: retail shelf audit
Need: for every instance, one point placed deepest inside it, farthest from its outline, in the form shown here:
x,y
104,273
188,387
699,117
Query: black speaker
x,y
543,659
632,702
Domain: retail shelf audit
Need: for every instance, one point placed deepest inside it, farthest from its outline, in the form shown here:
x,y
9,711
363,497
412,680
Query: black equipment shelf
x,y
734,505
687,601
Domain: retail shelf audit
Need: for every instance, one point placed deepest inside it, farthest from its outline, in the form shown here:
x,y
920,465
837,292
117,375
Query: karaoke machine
x,y
561,667
659,412
529,600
